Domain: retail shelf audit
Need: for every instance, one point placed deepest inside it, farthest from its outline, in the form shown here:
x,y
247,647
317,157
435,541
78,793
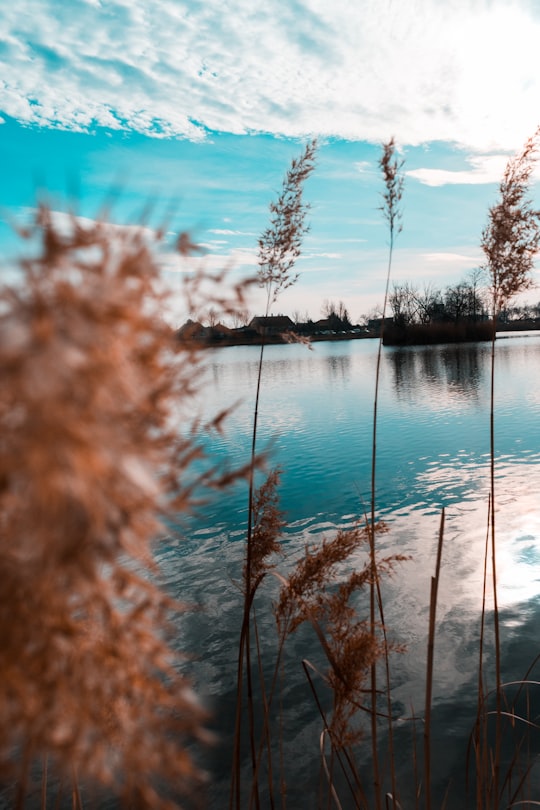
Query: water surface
x,y
433,446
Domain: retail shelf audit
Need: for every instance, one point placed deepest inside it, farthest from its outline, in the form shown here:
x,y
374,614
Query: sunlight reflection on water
x,y
432,451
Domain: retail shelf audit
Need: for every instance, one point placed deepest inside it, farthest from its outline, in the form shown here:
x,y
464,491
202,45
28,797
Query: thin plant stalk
x,y
429,673
266,718
479,748
307,666
393,179
44,782
496,623
279,247
510,242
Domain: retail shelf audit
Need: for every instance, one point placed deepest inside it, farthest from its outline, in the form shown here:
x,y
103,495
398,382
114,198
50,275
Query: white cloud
x,y
229,232
322,256
462,70
65,222
450,258
363,166
484,169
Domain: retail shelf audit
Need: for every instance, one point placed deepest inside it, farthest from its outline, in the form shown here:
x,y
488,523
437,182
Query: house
x,y
271,324
375,324
192,330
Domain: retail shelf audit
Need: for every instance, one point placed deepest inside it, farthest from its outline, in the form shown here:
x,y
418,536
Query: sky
x,y
189,112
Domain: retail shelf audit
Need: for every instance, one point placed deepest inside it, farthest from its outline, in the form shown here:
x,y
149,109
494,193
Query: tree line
x,y
468,300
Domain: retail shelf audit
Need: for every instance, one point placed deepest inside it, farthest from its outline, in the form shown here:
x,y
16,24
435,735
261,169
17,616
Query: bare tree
x,y
456,301
403,302
343,314
479,305
240,318
428,303
212,317
328,308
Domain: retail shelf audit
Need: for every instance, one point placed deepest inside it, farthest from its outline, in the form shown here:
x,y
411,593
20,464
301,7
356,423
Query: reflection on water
x,y
454,371
433,451
339,367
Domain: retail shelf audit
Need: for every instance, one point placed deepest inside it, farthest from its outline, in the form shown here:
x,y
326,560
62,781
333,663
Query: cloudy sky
x,y
193,109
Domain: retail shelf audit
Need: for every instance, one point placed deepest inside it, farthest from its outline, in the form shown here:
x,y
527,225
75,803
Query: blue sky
x,y
195,109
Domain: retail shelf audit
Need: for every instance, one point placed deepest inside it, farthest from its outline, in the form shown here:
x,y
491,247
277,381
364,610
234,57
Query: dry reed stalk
x,y
95,449
391,169
319,592
510,243
429,671
279,247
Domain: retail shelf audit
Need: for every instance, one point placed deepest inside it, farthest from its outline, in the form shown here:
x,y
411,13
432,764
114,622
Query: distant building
x,y
192,330
375,324
271,325
324,325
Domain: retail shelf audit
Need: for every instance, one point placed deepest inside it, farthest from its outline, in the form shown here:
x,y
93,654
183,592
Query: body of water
x,y
433,445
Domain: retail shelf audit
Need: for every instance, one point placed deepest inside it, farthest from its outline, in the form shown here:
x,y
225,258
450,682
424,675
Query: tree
x,y
328,309
213,317
343,314
428,303
456,301
477,304
240,318
403,302
336,313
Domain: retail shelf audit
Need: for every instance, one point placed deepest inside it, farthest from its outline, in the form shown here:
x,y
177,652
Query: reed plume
x,y
391,167
322,590
279,247
268,523
280,244
510,243
511,238
96,447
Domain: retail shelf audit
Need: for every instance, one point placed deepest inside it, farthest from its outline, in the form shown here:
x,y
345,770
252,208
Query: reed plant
x,y
100,444
97,446
391,167
313,591
510,242
279,247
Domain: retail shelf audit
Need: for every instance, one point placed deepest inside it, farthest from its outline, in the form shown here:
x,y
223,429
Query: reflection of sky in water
x,y
433,450
433,437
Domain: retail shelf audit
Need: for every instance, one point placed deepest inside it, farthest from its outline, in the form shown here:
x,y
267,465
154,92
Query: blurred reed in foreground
x,y
96,445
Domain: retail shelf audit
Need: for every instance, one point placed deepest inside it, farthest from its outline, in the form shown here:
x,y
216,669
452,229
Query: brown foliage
x,y
280,244
391,168
95,445
511,238
267,526
318,591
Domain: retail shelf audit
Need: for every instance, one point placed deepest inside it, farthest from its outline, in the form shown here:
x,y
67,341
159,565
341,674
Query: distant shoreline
x,y
408,337
276,340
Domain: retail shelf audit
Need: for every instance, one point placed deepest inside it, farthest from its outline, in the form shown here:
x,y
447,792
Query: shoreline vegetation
x,y
461,331
104,447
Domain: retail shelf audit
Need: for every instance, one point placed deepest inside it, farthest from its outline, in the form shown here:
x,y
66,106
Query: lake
x,y
315,423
